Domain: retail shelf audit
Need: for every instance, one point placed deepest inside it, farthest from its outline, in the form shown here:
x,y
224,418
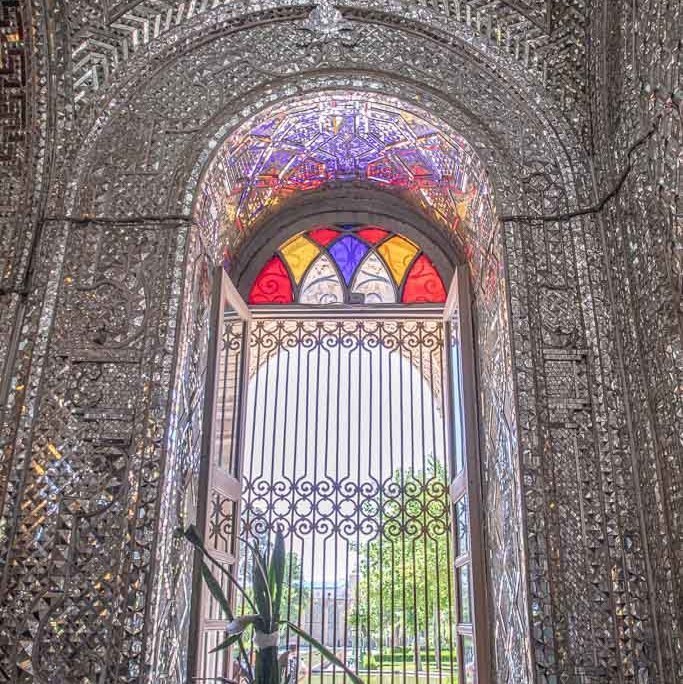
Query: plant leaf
x,y
261,592
276,572
262,596
216,590
233,638
237,625
323,650
193,536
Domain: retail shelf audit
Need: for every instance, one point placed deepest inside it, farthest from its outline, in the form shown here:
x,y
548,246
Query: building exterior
x,y
326,617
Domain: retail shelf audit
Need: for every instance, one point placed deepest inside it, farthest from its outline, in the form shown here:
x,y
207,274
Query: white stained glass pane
x,y
374,282
321,284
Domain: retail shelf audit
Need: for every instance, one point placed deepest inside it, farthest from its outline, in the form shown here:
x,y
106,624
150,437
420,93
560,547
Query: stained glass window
x,y
348,264
372,234
398,254
347,254
323,236
423,283
272,285
321,284
373,282
298,253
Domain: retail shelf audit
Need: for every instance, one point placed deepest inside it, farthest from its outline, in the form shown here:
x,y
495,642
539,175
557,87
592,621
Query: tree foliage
x,y
405,588
296,594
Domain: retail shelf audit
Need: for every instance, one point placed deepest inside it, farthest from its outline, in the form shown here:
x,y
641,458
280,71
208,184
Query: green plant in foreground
x,y
268,579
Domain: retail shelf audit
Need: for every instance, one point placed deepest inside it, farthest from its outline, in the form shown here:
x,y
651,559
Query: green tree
x,y
296,594
404,595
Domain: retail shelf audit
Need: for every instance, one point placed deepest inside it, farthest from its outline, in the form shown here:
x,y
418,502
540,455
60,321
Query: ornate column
x,y
636,122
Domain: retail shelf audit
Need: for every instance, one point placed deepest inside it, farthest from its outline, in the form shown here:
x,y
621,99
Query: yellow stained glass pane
x,y
397,252
298,253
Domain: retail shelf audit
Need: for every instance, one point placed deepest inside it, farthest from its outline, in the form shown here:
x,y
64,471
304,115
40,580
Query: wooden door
x,y
220,478
465,489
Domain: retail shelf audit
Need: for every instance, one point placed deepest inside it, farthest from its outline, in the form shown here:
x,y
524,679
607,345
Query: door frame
x,y
460,306
459,302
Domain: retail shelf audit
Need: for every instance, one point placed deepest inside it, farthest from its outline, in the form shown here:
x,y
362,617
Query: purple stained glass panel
x,y
347,254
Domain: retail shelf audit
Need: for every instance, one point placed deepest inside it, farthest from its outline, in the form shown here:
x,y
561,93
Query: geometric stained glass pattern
x,y
373,282
272,285
348,252
348,264
323,235
372,234
321,284
423,283
343,137
299,252
398,253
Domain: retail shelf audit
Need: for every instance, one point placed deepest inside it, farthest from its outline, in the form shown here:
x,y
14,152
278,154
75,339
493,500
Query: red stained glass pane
x,y
372,235
323,236
423,284
272,285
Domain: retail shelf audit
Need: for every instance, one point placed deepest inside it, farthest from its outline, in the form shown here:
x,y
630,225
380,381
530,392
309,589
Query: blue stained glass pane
x,y
347,254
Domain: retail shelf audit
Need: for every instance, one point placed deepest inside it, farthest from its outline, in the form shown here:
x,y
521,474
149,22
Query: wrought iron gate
x,y
345,450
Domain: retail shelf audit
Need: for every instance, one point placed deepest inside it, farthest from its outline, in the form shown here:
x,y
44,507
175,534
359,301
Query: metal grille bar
x,y
346,452
347,312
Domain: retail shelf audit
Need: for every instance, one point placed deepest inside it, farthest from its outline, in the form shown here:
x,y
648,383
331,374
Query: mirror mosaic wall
x,y
111,114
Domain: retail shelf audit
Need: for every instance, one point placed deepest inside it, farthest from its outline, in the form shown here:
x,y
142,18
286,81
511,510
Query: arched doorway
x,y
341,379
344,221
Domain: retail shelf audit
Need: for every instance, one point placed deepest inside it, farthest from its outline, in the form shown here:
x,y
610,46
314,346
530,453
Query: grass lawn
x,y
386,678
403,671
